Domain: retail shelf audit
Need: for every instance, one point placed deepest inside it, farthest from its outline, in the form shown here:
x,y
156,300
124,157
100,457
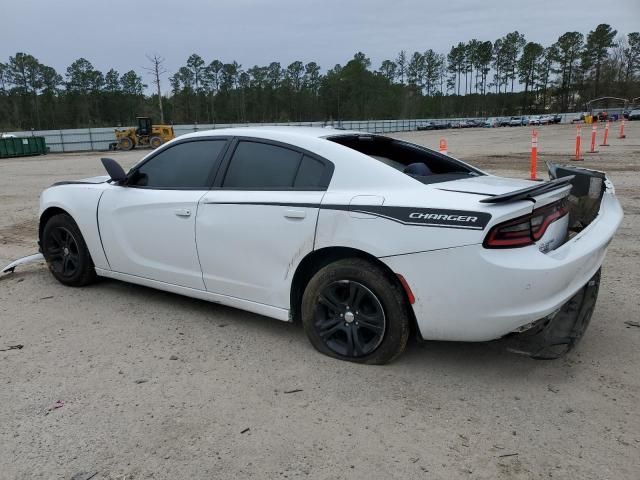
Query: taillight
x,y
523,231
545,216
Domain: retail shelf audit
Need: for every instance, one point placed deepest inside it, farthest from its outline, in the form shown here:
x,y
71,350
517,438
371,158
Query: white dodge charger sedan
x,y
360,237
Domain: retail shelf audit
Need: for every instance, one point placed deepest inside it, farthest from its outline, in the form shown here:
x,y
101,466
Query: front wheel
x,y
66,252
352,311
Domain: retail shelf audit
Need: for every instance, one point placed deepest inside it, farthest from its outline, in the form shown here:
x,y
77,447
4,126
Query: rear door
x,y
148,226
259,221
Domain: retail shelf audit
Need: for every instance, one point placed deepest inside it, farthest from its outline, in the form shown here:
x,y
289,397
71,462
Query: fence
x,y
87,139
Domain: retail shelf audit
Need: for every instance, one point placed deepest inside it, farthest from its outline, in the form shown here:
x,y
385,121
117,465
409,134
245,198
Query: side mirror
x,y
113,168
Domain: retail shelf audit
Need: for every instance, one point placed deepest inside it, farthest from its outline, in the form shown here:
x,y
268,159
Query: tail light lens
x,y
526,230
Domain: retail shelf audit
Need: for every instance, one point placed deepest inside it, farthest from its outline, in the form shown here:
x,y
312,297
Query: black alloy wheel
x,y
355,310
61,250
66,252
350,319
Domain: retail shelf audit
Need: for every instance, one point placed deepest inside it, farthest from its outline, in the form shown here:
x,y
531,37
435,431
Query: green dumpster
x,y
21,147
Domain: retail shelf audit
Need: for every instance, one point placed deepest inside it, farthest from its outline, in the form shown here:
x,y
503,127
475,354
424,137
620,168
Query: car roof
x,y
274,132
353,170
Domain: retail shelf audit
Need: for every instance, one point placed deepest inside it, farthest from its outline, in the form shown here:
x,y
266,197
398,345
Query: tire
x,y
374,329
66,252
125,143
155,142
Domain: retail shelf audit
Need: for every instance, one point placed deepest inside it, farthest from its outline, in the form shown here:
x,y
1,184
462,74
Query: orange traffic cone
x,y
578,141
622,135
534,155
606,135
443,146
594,133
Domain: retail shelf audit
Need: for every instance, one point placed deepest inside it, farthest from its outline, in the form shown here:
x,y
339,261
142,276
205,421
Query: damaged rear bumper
x,y
558,333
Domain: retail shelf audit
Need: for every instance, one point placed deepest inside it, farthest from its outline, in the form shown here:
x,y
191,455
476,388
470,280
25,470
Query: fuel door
x,y
359,204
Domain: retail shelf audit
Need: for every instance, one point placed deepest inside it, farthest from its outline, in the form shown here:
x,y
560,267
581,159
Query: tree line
x,y
475,78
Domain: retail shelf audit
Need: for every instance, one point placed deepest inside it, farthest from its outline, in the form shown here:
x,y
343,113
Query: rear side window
x,y
310,173
188,165
256,165
420,163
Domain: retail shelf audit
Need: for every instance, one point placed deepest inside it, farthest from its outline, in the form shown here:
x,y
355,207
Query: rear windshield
x,y
420,163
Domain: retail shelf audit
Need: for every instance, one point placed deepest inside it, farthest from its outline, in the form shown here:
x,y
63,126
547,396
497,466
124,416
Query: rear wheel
x,y
66,252
125,143
352,311
155,142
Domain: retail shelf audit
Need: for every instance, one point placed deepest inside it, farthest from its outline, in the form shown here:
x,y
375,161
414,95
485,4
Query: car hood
x,y
90,180
97,179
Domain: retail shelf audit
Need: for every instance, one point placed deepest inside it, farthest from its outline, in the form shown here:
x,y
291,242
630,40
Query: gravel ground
x,y
160,386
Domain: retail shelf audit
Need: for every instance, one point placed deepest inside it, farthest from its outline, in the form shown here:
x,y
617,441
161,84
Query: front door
x,y
147,227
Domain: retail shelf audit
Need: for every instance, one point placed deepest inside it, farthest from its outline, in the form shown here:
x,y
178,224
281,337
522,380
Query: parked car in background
x,y
504,121
426,126
442,125
634,114
557,118
579,117
546,119
534,120
517,121
491,122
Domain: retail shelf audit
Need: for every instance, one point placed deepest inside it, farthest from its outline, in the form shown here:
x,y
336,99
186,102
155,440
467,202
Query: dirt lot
x,y
160,386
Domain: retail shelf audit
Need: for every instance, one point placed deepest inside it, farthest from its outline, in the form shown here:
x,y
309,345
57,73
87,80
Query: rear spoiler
x,y
529,192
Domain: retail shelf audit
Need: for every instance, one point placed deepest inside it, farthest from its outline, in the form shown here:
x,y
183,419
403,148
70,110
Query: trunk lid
x,y
501,190
486,185
579,190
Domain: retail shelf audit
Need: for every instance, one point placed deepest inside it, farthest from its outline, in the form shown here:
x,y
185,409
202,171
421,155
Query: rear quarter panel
x,y
382,237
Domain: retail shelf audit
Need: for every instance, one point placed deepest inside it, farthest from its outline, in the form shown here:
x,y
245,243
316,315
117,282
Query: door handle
x,y
291,213
182,212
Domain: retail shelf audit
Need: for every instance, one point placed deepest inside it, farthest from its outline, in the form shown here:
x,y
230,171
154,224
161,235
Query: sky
x,y
118,33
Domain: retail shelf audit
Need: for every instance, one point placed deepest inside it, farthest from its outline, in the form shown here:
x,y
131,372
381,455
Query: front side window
x,y
188,165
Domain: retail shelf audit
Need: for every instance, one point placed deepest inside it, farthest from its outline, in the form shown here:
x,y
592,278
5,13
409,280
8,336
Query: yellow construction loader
x,y
145,135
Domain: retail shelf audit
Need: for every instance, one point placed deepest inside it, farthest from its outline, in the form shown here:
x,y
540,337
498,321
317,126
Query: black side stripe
x,y
423,217
269,204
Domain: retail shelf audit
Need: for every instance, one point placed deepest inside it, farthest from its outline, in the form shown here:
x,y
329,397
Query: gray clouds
x,y
118,33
